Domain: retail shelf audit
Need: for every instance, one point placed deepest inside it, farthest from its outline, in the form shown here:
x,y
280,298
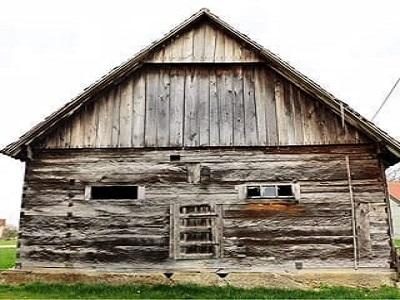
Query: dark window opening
x,y
253,191
174,157
196,222
196,236
198,249
195,209
270,191
285,191
114,192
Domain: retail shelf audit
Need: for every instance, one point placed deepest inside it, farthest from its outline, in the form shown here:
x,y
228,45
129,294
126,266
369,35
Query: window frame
x,y
243,191
140,192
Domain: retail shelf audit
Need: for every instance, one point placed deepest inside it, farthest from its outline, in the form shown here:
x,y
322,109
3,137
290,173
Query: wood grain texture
x,y
203,106
204,43
60,227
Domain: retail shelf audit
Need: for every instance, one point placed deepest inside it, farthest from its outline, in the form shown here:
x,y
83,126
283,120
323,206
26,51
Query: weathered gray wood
x,y
250,109
177,107
200,106
204,43
163,109
225,96
215,113
152,98
238,108
204,108
139,111
191,133
115,117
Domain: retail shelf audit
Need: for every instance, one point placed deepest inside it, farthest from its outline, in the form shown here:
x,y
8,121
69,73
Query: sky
x,y
51,50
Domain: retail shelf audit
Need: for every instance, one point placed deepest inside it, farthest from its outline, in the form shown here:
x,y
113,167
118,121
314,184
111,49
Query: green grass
x,y
8,242
7,257
99,291
397,243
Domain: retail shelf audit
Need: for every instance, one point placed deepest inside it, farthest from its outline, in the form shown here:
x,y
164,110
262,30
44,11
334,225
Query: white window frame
x,y
243,194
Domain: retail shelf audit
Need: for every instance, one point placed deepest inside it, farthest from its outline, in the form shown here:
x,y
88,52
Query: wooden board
x,y
203,106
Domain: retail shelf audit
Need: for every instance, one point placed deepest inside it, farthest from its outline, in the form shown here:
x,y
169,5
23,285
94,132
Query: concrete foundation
x,y
301,279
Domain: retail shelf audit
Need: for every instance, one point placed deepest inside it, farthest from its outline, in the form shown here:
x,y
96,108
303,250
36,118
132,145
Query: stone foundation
x,y
301,279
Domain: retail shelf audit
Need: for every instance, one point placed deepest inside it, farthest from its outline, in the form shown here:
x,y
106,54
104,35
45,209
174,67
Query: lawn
x,y
8,242
397,243
99,291
7,257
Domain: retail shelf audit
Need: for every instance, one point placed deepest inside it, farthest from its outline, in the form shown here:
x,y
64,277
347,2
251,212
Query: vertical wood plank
x,y
187,49
90,125
163,113
204,108
280,113
191,134
76,135
125,119
300,107
261,109
209,43
214,110
103,126
229,44
307,109
176,49
139,111
225,95
250,112
152,83
177,94
288,114
115,117
219,47
297,116
238,108
270,109
199,43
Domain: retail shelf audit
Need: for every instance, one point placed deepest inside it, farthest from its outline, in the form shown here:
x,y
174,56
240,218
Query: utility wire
x,y
386,99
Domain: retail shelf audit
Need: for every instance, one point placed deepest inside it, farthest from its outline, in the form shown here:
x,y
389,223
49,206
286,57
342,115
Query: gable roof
x,y
18,148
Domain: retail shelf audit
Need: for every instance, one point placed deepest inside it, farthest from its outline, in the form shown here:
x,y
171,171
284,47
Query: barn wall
x,y
198,105
61,229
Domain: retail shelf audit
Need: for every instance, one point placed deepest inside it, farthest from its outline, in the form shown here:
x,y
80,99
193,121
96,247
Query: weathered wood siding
x,y
174,106
59,228
204,43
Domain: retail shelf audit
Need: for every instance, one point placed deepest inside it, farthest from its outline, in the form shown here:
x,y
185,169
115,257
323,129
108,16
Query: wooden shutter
x,y
196,231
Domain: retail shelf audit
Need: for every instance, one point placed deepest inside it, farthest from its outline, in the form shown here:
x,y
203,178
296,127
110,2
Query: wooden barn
x,y
205,151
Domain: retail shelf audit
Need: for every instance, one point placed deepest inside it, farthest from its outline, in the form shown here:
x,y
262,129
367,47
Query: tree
x,y
10,232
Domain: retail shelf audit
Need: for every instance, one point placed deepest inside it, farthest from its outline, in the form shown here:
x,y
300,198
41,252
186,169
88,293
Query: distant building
x,y
2,226
394,191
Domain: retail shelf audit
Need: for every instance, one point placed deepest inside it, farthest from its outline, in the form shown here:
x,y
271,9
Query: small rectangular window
x,y
271,191
253,191
268,191
285,191
114,192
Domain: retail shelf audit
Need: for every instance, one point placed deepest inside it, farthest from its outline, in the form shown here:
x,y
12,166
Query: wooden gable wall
x,y
203,89
204,43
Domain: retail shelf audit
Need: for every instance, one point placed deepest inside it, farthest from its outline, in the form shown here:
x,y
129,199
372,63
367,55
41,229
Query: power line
x,y
386,99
